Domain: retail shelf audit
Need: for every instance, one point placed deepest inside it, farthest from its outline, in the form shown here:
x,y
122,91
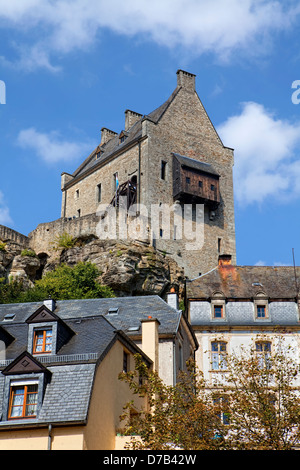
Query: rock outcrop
x,y
129,268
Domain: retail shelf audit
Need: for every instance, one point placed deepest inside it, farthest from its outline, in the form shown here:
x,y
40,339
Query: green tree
x,y
65,282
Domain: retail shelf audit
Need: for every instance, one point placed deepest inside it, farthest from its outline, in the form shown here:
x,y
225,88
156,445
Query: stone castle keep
x,y
172,157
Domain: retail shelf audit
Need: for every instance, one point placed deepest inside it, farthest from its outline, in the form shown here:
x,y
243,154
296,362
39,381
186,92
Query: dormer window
x,y
23,400
261,306
218,303
42,341
46,332
122,137
24,386
261,311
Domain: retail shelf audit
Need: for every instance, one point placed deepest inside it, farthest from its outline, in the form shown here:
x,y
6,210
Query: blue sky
x,y
72,67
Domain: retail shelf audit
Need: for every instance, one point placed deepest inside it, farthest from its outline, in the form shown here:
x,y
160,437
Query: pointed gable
x,y
25,364
42,314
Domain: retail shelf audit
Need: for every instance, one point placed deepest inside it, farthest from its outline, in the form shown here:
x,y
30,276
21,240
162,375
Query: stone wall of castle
x,y
44,237
8,234
186,129
83,195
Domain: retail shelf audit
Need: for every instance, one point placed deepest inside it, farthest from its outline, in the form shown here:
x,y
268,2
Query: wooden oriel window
x,y
23,401
42,341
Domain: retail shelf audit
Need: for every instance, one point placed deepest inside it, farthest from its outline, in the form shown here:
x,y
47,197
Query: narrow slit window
x,y
99,195
163,170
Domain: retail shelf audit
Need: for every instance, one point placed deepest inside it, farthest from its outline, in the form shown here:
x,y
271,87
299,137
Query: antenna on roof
x,y
296,282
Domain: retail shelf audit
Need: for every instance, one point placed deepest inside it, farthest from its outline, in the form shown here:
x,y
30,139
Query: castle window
x,y
116,181
212,187
42,341
99,192
77,193
23,400
163,169
200,184
188,180
78,213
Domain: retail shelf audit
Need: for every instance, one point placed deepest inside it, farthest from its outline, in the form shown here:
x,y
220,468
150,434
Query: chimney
x,y
172,299
186,80
131,117
150,339
224,260
50,304
106,135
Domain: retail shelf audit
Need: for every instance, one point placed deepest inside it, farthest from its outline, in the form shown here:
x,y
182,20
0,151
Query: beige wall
x,y
63,438
108,398
109,395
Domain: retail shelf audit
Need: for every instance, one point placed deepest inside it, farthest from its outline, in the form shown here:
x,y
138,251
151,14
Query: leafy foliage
x,y
65,282
64,240
257,407
179,417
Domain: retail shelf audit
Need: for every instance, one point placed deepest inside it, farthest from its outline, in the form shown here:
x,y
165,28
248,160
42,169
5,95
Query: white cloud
x,y
5,218
52,148
197,25
267,151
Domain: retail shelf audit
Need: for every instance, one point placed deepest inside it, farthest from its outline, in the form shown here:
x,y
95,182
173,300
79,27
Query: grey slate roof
x,y
113,145
242,314
67,395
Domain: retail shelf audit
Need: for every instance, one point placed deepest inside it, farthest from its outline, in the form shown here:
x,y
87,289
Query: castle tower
x,y
176,167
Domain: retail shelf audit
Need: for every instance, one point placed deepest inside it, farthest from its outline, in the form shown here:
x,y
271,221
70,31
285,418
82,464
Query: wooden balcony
x,y
195,182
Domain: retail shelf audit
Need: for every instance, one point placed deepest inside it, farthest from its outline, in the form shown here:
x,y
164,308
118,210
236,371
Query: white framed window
x,y
218,355
23,399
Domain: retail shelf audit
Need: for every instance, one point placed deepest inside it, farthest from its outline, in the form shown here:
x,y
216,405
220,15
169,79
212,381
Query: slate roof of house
x,y
244,282
241,285
96,324
113,145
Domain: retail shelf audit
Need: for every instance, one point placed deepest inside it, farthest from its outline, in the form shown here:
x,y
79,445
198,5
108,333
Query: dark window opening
x,y
99,192
188,180
163,170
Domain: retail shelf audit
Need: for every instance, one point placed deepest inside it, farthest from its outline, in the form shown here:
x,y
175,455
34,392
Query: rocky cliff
x,y
129,268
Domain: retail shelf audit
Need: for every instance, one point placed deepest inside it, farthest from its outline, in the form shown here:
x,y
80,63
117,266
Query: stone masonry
x,y
141,156
181,125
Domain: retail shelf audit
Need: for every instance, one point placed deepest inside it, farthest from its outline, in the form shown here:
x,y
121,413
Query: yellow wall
x,y
108,398
65,438
109,395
